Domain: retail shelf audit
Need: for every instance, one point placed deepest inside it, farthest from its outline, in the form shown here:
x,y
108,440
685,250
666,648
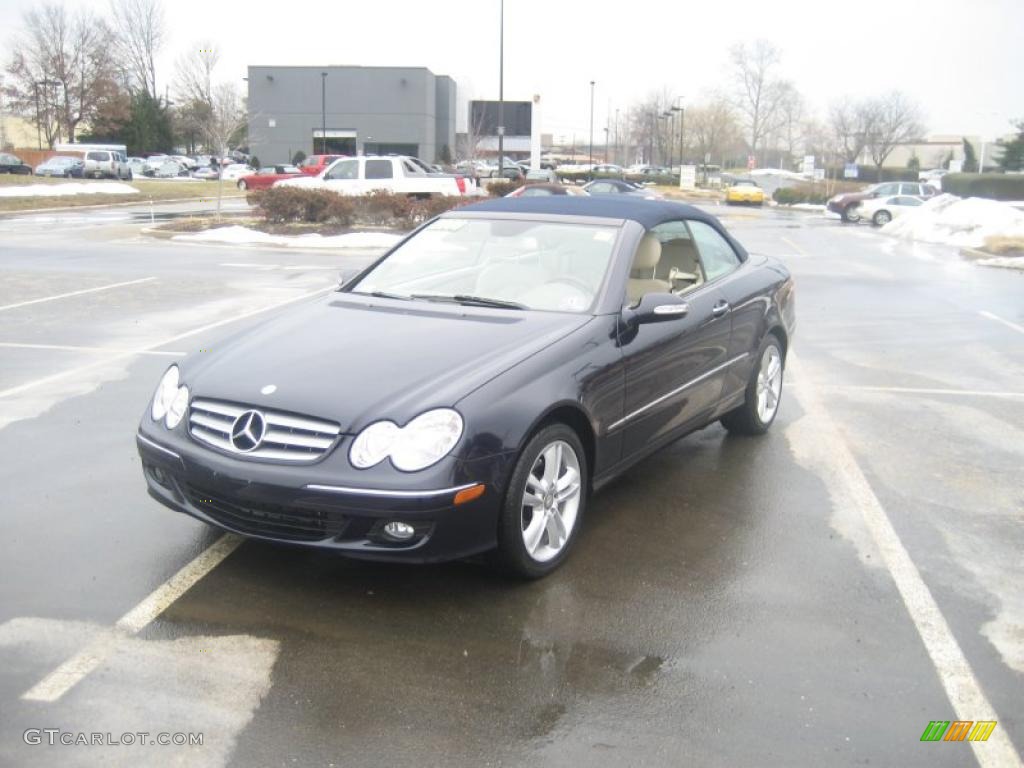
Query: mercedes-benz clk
x,y
470,390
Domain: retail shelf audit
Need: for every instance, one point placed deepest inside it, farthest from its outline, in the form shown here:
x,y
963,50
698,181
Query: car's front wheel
x,y
763,393
851,214
242,185
544,503
881,218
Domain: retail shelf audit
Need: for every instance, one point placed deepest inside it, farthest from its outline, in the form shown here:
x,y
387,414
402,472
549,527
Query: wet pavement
x,y
729,601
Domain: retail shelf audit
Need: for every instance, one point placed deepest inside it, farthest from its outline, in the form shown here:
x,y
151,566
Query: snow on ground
x,y
806,207
964,223
69,189
1007,262
244,236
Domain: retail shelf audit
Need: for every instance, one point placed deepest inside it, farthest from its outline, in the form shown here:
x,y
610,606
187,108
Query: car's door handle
x,y
720,309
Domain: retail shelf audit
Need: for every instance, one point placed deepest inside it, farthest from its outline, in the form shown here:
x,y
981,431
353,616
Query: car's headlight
x,y
422,442
177,408
165,393
373,444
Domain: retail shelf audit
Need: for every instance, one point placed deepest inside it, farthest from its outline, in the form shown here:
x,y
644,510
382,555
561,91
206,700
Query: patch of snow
x,y
237,235
964,223
1008,262
776,172
806,207
68,190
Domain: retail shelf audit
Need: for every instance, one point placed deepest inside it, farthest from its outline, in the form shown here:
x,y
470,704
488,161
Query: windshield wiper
x,y
477,301
387,295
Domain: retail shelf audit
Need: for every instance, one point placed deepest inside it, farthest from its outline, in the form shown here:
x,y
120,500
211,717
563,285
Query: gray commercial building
x,y
365,110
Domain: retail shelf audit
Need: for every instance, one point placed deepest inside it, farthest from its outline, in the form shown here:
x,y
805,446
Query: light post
x,y
617,160
670,122
682,125
591,130
323,114
501,89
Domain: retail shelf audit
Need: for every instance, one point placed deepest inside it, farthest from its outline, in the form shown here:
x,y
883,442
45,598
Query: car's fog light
x,y
397,530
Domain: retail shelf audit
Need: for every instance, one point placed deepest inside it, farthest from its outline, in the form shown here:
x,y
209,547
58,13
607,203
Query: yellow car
x,y
744,192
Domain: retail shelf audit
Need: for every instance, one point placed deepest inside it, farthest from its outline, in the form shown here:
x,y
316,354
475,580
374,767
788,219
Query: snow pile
x,y
780,172
68,190
244,236
964,223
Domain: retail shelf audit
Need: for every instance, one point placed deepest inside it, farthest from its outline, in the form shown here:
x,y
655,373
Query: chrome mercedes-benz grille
x,y
262,433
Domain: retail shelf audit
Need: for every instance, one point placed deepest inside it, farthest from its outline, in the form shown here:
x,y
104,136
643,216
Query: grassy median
x,y
149,189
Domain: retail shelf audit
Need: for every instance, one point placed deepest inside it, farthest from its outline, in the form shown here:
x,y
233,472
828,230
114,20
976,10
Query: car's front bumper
x,y
298,505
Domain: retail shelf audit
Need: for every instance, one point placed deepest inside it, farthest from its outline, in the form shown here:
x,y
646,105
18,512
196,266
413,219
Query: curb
x,y
137,201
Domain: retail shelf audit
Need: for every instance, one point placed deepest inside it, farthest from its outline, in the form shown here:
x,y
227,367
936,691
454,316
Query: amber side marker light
x,y
469,494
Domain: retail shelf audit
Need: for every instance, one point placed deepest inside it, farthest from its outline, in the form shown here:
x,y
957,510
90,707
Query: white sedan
x,y
235,171
881,210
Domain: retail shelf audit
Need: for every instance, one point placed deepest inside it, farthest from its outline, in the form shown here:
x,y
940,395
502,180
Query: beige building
x,y
936,152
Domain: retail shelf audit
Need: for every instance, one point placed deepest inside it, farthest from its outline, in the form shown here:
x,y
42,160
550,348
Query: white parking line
x,y
955,673
75,293
1007,323
62,679
249,266
121,355
76,348
923,391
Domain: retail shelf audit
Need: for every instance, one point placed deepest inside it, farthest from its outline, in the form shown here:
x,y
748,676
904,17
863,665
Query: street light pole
x,y
591,130
501,89
323,114
617,160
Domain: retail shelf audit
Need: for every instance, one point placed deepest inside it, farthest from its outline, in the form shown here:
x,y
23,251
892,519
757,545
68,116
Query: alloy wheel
x,y
769,384
551,501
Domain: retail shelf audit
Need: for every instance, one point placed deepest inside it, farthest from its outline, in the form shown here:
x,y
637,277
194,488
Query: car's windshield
x,y
541,265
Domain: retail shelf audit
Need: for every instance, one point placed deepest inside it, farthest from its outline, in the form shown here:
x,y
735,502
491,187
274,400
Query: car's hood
x,y
355,359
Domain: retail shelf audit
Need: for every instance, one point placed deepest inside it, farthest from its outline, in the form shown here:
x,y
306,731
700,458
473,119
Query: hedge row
x,y
791,195
994,186
285,205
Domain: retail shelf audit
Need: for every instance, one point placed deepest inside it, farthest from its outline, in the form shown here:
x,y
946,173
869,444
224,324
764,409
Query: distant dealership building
x,y
481,137
349,111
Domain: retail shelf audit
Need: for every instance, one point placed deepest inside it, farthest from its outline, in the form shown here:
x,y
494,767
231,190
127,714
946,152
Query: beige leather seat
x,y
680,264
645,264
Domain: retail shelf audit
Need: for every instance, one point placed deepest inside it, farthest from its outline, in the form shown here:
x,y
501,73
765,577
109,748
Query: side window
x,y
379,169
716,254
603,188
887,189
98,156
679,264
347,169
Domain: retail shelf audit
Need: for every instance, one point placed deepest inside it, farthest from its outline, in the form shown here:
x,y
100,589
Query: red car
x,y
313,164
264,178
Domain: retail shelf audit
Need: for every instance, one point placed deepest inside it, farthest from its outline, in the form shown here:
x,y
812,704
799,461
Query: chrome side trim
x,y
143,439
393,494
675,391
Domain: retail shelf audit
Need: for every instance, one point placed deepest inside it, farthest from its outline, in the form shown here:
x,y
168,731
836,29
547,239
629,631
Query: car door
x,y
746,299
380,174
343,177
673,368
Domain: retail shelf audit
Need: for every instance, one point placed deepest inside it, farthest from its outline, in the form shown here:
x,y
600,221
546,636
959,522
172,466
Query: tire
x,y
881,218
241,184
750,418
514,555
850,214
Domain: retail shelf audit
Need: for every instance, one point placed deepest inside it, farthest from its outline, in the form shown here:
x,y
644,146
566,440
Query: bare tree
x,y
759,92
897,121
791,121
852,122
225,120
141,30
64,63
193,79
713,126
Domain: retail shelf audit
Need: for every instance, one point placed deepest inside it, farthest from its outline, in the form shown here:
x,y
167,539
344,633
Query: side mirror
x,y
346,276
656,308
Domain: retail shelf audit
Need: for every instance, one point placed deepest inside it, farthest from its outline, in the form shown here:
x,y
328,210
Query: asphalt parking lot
x,y
812,597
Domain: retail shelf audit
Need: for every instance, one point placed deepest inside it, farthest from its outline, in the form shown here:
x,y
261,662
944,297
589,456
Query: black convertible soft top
x,y
648,213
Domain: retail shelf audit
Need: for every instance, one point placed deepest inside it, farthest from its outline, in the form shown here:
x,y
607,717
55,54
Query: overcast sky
x,y
961,60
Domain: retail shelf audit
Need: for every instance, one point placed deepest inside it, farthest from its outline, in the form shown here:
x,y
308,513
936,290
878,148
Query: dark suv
x,y
846,204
